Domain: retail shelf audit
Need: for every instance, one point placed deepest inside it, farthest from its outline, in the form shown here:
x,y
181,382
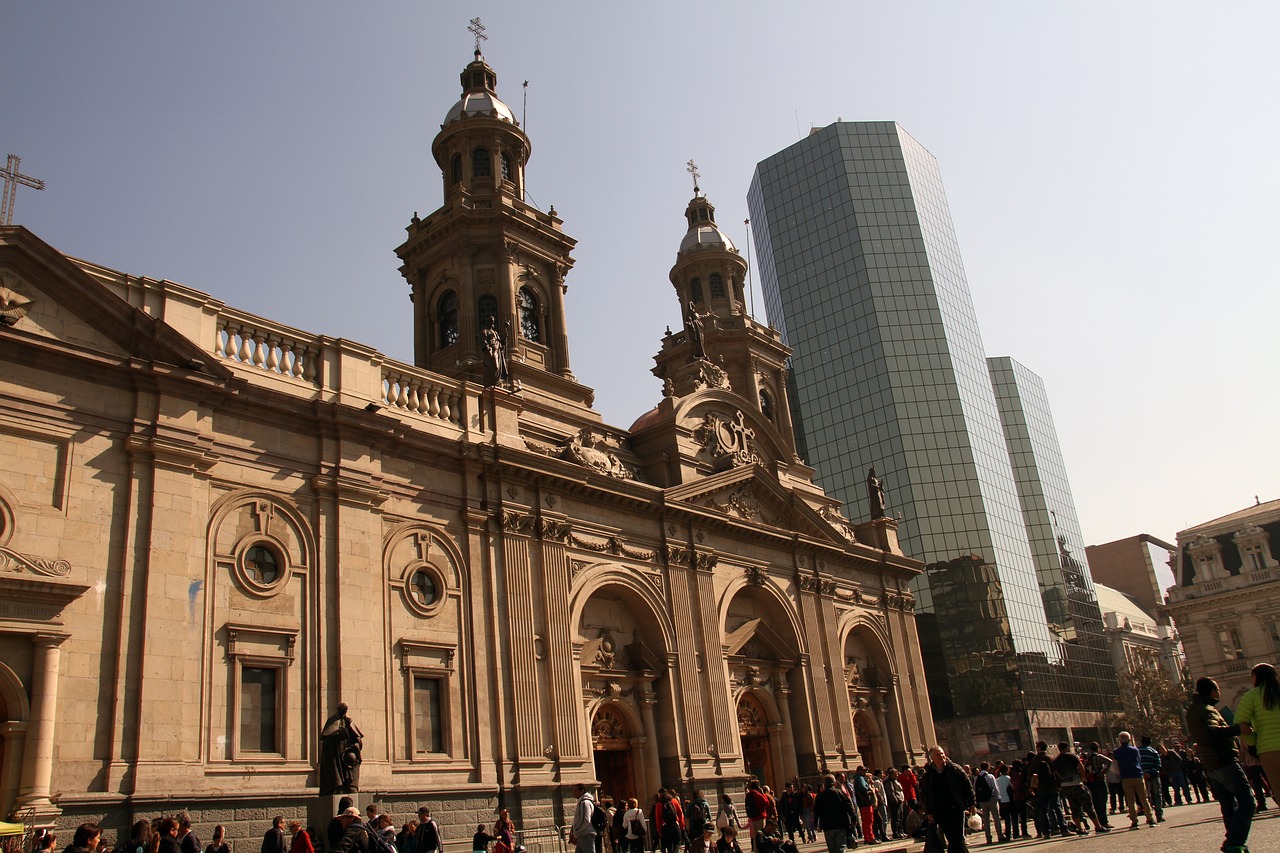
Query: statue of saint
x,y
693,330
875,493
340,744
495,353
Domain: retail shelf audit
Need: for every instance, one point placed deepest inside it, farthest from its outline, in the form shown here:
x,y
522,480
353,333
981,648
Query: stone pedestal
x,y
323,809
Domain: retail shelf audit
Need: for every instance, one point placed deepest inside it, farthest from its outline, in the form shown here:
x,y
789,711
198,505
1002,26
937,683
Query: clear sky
x,y
1111,169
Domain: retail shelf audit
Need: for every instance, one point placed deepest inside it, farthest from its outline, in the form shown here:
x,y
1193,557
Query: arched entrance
x,y
611,745
753,729
871,745
873,699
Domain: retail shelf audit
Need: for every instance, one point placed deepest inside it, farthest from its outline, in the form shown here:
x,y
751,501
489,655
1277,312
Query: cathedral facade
x,y
215,528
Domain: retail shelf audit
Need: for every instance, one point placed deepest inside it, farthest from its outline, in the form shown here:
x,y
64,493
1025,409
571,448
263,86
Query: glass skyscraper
x,y
862,273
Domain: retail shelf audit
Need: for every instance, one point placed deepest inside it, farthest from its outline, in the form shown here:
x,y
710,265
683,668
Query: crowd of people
x,y
1058,793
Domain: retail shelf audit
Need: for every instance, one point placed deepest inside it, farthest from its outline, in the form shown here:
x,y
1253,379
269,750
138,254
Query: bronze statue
x,y
693,330
875,493
340,744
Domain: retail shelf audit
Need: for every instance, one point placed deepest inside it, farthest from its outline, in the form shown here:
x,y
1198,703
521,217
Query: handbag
x,y
974,822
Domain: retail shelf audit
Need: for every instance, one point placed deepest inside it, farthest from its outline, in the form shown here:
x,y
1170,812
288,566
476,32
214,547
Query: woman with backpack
x,y
727,814
634,827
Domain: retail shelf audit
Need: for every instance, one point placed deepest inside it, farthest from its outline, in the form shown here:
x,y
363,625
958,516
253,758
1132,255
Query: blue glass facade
x,y
861,271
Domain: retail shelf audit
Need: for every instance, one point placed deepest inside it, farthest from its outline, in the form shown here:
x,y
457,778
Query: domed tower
x,y
488,266
721,346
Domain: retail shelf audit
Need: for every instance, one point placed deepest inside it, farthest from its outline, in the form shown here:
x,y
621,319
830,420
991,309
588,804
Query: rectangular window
x,y
1231,648
1274,628
258,703
427,736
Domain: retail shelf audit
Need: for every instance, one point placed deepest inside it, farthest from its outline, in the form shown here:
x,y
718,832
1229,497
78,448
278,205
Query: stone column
x,y
37,765
652,763
789,767
14,736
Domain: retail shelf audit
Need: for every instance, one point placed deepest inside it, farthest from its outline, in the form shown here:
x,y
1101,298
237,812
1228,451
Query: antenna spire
x,y
477,29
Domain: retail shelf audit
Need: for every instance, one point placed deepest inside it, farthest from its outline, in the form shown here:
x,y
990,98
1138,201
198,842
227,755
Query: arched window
x,y
481,166
455,168
506,166
717,286
487,307
528,315
695,290
766,404
447,313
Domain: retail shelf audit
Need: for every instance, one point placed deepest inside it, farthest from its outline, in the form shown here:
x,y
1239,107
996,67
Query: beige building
x,y
1226,603
1136,640
213,528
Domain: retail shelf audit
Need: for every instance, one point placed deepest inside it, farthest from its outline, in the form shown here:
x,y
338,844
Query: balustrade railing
x,y
269,348
422,394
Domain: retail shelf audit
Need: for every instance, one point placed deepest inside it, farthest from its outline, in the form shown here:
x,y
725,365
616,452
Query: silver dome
x,y
483,104
706,237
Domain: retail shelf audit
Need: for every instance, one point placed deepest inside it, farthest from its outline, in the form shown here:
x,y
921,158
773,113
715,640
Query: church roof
x,y
706,237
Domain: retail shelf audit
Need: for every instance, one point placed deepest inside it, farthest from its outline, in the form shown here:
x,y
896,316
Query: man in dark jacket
x,y
355,835
1215,742
947,797
274,841
833,812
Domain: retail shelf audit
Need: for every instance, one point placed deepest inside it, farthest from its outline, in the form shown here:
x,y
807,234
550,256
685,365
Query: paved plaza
x,y
1187,829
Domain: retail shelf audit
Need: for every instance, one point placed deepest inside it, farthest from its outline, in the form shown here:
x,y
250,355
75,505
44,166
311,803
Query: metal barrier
x,y
544,839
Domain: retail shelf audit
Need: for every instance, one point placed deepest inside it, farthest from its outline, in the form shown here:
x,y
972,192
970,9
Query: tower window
x,y
528,315
695,290
506,166
448,316
455,168
488,308
477,79
481,167
766,404
717,286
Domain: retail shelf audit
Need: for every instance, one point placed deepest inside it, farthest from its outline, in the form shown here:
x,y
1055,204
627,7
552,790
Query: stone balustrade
x,y
421,392
254,342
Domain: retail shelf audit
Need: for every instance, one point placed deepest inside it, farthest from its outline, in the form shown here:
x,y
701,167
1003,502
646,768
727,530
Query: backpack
x,y
699,816
982,788
597,818
636,827
669,818
378,843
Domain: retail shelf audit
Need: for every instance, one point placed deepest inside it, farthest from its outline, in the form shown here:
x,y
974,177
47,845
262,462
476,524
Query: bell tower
x,y
721,345
487,268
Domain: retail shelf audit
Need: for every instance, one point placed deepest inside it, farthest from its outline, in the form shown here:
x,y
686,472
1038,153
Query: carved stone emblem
x,y
832,516
13,305
729,442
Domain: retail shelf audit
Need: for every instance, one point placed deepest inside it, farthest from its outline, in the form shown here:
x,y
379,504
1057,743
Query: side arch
x,y
591,579
14,696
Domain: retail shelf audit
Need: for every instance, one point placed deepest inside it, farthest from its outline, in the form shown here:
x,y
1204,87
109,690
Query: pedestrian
x,y
86,839
218,845
274,840
1050,820
429,838
1018,798
1070,771
865,799
142,839
810,828
986,794
581,832
1151,764
833,814
187,839
757,810
167,830
1215,741
633,826
1258,716
299,839
355,834
1003,803
1096,768
1129,762
947,798
727,814
728,841
335,829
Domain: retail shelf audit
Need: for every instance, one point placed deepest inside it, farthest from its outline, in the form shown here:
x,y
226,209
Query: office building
x,y
861,271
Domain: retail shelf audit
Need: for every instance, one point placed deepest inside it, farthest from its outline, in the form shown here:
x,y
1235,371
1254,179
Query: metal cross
x,y
477,29
692,169
12,179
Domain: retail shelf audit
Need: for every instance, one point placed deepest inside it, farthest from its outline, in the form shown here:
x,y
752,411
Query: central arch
x,y
613,746
757,745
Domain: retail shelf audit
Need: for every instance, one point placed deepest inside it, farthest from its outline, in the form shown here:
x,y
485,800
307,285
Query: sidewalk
x,y
1187,829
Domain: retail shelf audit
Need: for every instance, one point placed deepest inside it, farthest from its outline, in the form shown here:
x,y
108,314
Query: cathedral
x,y
214,528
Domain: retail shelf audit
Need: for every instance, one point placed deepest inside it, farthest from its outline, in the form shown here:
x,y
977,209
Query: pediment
x,y
755,639
751,494
45,295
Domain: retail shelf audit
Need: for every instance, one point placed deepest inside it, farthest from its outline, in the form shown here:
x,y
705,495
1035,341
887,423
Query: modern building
x,y
1137,566
861,271
1226,603
214,528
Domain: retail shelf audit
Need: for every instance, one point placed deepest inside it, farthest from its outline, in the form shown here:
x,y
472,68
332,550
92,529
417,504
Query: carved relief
x,y
609,725
591,449
815,584
552,531
13,305
832,516
12,561
515,522
741,502
728,441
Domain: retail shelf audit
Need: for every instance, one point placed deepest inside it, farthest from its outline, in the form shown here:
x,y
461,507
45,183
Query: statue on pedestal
x,y
875,493
340,744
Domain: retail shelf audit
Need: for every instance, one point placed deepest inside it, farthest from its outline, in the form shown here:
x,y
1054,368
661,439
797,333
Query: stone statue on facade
x,y
875,493
693,330
340,744
495,353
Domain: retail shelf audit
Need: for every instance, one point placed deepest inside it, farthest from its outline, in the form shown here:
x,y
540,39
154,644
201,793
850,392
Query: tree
x,y
1154,704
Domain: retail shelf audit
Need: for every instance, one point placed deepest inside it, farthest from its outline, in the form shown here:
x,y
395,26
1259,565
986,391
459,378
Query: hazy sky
x,y
1111,169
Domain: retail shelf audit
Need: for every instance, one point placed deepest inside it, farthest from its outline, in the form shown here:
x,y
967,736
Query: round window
x,y
422,586
262,565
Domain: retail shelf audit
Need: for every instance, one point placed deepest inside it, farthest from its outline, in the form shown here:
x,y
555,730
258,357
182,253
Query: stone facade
x,y
214,528
1226,603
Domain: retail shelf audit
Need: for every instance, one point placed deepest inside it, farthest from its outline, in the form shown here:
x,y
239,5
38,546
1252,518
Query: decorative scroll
x,y
756,576
741,502
815,584
553,531
12,561
832,516
692,559
611,545
591,449
515,522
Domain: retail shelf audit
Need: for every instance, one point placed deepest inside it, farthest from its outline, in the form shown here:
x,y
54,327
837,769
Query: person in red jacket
x,y
757,810
910,786
668,821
